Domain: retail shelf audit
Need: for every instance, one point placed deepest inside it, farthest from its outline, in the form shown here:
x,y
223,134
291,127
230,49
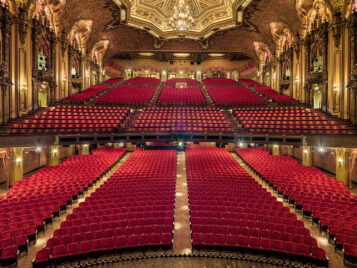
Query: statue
x,y
5,75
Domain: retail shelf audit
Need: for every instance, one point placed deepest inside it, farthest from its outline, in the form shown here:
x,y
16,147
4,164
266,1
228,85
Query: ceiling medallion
x,y
181,19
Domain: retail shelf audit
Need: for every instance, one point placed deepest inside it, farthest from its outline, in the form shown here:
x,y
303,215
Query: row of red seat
x,y
326,200
287,120
113,219
134,95
247,81
252,220
188,81
68,119
86,94
181,96
234,96
113,80
180,119
219,82
147,81
34,201
280,98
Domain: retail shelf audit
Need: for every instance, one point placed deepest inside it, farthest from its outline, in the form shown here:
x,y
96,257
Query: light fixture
x,y
296,80
146,54
275,145
121,144
180,144
340,160
181,55
181,19
18,160
216,55
240,144
305,151
38,149
54,151
321,149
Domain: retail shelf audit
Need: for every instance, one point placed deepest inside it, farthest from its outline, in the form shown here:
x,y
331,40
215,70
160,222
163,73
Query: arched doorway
x,y
317,97
43,95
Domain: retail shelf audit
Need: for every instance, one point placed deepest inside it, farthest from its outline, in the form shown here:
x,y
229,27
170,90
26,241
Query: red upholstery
x,y
113,80
32,202
172,82
328,201
280,98
248,82
234,95
214,181
181,119
293,120
219,81
147,81
72,119
141,216
126,95
86,94
181,96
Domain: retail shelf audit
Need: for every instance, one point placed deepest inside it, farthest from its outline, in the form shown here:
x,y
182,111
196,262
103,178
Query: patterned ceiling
x,y
208,15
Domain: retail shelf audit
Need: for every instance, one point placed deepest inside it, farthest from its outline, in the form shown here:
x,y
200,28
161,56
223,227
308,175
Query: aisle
x,y
335,259
182,230
26,260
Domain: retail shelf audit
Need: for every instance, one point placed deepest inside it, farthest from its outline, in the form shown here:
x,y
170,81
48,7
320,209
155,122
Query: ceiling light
x,y
146,54
181,55
181,19
321,149
216,55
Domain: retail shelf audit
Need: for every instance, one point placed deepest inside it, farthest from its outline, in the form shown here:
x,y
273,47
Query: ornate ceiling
x,y
207,15
123,37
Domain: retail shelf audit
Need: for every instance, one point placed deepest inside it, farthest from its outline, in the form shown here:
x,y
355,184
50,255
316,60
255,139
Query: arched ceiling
x,y
254,27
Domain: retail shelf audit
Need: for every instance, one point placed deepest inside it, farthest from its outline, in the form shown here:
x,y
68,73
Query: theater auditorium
x,y
178,133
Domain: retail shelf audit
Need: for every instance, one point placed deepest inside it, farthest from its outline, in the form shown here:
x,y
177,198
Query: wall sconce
x,y
336,87
241,145
321,149
121,144
252,145
275,145
181,72
180,144
38,149
274,75
340,160
18,159
306,151
54,151
296,80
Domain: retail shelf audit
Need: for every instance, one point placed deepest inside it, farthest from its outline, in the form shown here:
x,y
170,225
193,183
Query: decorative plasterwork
x,y
282,37
209,16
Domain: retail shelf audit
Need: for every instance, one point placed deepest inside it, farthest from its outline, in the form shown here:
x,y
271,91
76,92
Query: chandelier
x,y
181,19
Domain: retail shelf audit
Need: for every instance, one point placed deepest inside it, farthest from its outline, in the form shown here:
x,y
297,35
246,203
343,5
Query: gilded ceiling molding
x,y
263,53
80,32
282,37
99,50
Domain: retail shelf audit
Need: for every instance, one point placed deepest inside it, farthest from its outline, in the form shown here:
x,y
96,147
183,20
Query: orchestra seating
x,y
234,96
32,203
86,94
132,210
188,81
219,82
127,95
143,81
230,210
72,119
280,98
113,80
293,120
326,200
181,96
248,82
180,119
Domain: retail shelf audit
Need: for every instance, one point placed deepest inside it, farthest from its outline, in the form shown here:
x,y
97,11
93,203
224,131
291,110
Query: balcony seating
x,y
132,210
327,201
292,120
127,95
86,94
181,96
144,81
172,82
280,98
72,119
230,210
219,82
113,80
234,96
34,201
248,82
180,119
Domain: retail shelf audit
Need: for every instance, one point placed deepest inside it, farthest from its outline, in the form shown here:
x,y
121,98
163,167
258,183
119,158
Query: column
x,y
16,165
276,149
342,164
131,147
306,156
53,155
84,150
116,145
70,150
290,150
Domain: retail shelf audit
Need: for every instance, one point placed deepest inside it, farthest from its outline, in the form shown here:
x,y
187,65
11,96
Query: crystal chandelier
x,y
181,19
